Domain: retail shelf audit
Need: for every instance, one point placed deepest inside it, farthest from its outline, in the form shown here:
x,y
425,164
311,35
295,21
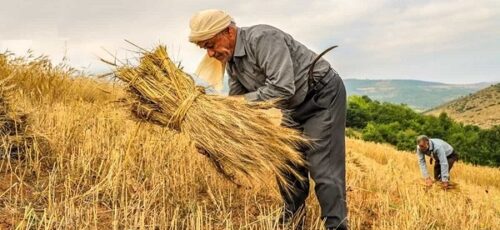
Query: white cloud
x,y
418,39
432,26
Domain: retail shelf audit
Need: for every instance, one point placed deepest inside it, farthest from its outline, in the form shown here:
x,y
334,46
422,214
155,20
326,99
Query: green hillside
x,y
481,108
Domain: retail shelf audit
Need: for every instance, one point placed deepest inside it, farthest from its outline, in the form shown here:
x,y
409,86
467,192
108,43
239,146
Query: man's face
x,y
423,145
221,46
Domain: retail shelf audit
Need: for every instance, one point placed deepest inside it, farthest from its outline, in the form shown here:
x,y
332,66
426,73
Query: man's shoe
x,y
337,226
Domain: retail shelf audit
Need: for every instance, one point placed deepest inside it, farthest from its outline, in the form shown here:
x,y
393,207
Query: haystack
x,y
238,138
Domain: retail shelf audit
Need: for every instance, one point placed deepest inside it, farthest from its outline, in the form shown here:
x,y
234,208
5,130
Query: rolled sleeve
x,y
273,55
421,161
252,96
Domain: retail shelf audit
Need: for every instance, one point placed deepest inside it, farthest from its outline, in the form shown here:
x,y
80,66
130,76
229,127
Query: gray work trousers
x,y
322,117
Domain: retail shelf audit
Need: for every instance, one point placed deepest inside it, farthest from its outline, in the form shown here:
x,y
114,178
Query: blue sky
x,y
446,41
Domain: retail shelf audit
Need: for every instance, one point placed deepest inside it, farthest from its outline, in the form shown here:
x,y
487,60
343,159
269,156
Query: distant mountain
x,y
481,108
419,95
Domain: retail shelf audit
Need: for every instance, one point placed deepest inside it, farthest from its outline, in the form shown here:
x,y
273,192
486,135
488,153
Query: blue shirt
x,y
440,150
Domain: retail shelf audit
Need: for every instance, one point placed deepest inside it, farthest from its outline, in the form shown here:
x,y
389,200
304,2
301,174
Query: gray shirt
x,y
269,64
438,149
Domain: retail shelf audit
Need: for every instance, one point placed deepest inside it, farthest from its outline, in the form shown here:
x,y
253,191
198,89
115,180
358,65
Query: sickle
x,y
311,69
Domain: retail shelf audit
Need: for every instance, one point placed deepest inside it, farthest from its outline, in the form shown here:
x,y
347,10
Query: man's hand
x,y
238,97
274,115
445,184
428,181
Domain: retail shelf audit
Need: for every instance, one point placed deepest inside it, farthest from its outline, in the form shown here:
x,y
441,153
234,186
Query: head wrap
x,y
205,25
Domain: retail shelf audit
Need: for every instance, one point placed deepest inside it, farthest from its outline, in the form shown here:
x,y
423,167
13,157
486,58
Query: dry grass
x,y
14,134
106,171
387,185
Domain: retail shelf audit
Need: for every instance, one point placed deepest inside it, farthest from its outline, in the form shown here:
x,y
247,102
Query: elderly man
x,y
265,63
442,153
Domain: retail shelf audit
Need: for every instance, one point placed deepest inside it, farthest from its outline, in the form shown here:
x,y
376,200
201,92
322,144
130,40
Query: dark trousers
x,y
452,158
321,117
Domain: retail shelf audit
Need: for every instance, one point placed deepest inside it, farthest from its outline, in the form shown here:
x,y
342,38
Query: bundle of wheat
x,y
239,139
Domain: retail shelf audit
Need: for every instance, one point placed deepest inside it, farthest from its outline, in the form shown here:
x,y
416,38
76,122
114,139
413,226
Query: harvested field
x,y
105,170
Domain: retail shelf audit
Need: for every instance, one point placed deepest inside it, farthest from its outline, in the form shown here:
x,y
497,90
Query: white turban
x,y
205,25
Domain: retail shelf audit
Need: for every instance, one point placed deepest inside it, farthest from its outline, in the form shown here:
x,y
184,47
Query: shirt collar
x,y
239,48
431,145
